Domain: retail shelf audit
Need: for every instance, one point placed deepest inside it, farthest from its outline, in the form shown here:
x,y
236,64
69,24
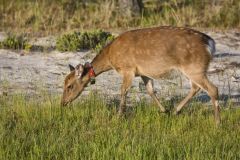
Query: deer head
x,y
76,81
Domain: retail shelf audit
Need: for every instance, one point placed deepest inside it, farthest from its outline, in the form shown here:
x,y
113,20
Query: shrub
x,y
102,44
83,40
16,42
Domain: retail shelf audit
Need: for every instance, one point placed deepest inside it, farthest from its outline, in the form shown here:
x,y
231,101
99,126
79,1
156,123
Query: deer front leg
x,y
127,81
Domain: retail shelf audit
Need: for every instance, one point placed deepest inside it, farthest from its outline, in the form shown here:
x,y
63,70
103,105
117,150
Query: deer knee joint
x,y
213,92
150,89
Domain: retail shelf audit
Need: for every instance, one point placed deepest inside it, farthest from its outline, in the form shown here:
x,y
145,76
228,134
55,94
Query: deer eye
x,y
70,87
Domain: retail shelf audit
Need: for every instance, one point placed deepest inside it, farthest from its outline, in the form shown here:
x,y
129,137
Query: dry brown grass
x,y
53,16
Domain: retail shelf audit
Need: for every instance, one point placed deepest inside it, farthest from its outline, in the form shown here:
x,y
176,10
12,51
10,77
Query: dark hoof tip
x,y
218,123
167,112
176,113
121,113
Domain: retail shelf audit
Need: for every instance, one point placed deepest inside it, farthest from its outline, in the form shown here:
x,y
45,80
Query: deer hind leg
x,y
149,86
202,81
127,81
193,91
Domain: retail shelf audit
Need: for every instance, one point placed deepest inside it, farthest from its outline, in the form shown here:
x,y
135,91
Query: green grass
x,y
38,128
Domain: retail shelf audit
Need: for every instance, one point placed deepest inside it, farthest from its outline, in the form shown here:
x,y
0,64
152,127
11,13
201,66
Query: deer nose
x,y
63,103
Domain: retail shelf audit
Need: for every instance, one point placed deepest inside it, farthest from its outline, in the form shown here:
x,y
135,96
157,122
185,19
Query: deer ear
x,y
79,70
71,68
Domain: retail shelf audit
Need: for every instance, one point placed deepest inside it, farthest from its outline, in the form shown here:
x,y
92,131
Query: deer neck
x,y
101,62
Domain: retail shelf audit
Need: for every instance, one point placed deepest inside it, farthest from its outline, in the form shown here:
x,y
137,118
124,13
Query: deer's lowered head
x,y
76,81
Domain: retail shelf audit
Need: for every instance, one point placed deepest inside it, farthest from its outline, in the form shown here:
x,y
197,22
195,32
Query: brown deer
x,y
150,53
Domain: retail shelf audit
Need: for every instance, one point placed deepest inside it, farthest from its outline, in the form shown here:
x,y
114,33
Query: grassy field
x,y
38,128
58,16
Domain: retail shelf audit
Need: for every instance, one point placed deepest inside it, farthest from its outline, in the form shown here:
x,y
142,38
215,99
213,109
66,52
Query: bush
x,y
83,40
16,42
102,44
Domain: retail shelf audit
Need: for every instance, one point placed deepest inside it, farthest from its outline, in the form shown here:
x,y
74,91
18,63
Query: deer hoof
x,y
121,112
165,112
176,112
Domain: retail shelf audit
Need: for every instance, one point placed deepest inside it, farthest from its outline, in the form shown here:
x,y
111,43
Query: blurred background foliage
x,y
54,16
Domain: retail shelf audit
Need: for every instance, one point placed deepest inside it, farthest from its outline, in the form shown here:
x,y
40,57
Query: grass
x,y
38,128
53,16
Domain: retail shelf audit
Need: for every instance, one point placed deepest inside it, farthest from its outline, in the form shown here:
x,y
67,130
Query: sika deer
x,y
150,53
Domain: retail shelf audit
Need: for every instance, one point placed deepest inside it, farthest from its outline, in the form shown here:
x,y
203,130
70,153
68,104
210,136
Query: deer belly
x,y
153,72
